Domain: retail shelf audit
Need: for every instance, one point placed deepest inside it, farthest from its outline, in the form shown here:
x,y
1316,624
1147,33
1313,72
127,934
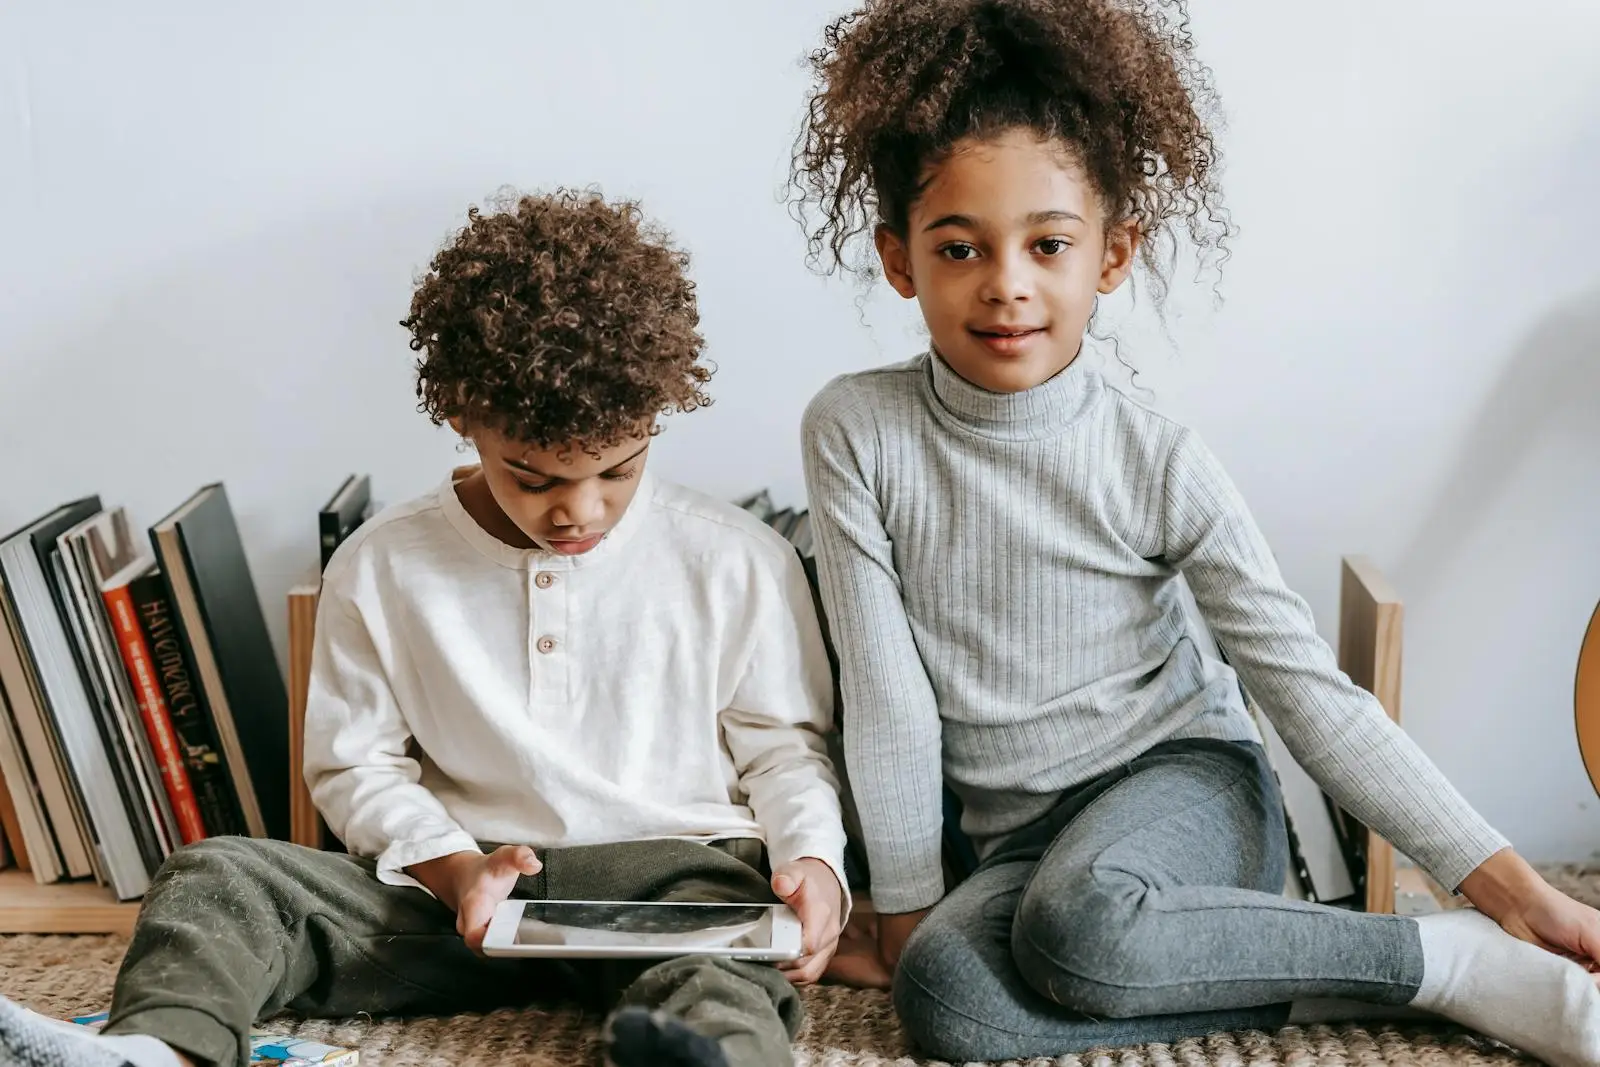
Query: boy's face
x,y
562,499
1005,251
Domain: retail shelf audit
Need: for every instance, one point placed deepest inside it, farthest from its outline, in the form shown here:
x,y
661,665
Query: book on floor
x,y
219,615
57,844
270,1049
348,508
186,704
10,818
28,563
139,664
1314,843
87,554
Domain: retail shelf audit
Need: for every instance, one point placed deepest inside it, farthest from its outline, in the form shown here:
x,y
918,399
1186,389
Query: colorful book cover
x,y
273,1050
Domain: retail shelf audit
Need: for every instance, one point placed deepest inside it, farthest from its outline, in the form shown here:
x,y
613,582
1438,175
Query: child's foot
x,y
29,1039
1481,977
639,1038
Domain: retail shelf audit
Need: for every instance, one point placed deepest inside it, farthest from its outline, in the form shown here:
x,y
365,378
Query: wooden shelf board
x,y
26,907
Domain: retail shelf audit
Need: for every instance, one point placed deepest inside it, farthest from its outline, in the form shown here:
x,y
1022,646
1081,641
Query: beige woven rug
x,y
846,1028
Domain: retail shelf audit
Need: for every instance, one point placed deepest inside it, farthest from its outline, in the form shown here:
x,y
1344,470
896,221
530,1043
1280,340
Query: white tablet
x,y
609,928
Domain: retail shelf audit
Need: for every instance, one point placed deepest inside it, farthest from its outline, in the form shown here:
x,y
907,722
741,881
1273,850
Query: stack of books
x,y
141,703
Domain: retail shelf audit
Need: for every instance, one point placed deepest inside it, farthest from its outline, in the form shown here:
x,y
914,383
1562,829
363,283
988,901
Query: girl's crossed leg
x,y
1147,906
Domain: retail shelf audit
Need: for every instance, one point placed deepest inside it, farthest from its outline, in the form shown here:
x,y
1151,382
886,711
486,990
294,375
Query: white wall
x,y
211,215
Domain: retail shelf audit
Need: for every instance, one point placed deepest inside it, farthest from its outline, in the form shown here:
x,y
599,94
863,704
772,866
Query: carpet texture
x,y
63,976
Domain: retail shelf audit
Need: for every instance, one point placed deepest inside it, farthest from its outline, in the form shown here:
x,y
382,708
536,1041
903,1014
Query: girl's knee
x,y
940,1028
949,1001
1079,948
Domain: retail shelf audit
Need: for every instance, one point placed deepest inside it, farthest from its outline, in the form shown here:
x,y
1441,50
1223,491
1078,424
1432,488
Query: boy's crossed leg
x,y
236,929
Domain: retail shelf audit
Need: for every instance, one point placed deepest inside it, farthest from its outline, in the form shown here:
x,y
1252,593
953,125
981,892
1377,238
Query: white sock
x,y
1478,975
33,1040
141,1050
1333,1010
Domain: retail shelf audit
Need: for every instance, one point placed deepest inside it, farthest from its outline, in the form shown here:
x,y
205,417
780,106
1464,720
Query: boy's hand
x,y
810,887
473,885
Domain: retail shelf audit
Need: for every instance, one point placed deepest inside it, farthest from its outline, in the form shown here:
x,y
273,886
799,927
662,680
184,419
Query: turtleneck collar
x,y
1043,411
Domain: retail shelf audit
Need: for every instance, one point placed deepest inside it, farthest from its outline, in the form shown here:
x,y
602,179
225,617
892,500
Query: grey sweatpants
x,y
234,929
1146,906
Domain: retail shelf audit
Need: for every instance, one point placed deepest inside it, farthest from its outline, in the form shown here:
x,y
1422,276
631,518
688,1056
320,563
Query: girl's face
x,y
1005,250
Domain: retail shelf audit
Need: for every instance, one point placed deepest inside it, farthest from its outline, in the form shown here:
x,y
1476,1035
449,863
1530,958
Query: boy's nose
x,y
580,509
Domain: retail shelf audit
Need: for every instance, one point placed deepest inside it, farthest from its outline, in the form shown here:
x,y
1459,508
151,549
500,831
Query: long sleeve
x,y
891,718
1336,730
357,766
774,725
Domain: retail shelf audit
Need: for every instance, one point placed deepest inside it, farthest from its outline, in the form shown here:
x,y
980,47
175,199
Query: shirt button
x,y
546,645
544,579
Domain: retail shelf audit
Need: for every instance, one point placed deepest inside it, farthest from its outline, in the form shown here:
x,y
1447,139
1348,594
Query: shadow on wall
x,y
1551,381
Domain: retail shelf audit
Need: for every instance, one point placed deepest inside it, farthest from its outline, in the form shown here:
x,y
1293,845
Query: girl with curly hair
x,y
1002,535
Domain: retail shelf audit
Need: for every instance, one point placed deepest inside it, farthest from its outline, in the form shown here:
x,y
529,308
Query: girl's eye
x,y
526,488
958,252
1052,246
619,476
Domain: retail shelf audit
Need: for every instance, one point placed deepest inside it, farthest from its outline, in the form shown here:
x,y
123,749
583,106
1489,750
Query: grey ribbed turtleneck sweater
x,y
1000,576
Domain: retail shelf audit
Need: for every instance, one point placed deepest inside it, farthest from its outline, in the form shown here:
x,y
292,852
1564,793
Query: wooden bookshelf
x,y
1371,620
26,907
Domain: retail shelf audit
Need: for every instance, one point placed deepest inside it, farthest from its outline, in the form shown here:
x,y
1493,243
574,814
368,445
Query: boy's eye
x,y
958,251
619,476
1053,246
526,488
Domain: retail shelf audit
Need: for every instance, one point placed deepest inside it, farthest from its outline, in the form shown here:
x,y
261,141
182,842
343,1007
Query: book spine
x,y
328,529
208,775
153,711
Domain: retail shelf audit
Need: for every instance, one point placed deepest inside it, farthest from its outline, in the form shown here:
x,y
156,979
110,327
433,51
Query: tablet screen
x,y
557,922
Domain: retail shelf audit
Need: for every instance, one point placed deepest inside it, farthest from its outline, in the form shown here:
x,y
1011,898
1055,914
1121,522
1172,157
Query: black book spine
x,y
328,527
191,718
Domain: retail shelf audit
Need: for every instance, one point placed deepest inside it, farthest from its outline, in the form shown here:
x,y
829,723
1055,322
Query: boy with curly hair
x,y
622,679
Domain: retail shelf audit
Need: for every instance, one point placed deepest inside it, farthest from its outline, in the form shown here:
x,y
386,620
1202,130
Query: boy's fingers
x,y
788,886
514,859
473,921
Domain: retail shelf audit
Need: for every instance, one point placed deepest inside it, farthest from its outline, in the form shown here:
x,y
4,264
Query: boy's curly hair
x,y
559,319
899,82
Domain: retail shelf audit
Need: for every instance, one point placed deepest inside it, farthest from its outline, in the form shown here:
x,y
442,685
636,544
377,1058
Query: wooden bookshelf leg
x,y
305,827
1371,618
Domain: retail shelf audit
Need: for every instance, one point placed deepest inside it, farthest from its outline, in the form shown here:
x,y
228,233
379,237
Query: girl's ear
x,y
896,260
1122,245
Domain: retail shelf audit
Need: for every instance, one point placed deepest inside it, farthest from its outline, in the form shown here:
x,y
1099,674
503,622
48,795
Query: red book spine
x,y
153,709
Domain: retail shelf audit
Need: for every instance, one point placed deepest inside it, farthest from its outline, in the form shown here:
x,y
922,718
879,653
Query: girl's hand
x,y
1514,895
1562,925
893,932
857,963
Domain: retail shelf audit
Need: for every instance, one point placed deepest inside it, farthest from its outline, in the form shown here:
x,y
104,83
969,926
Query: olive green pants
x,y
236,929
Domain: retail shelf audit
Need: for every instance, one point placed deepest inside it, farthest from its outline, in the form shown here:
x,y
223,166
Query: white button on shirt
x,y
669,683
